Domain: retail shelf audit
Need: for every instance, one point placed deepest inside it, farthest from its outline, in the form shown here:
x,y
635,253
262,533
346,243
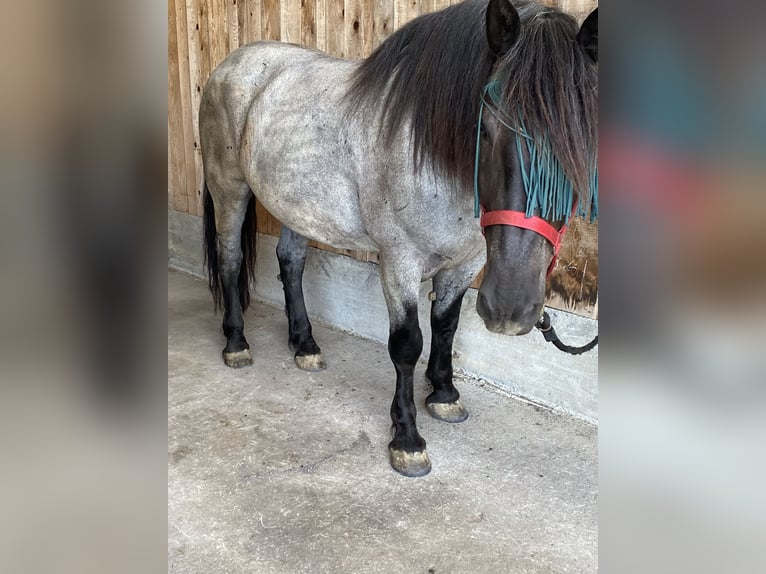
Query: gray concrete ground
x,y
276,470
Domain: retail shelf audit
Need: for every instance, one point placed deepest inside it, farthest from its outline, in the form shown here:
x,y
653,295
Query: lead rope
x,y
549,333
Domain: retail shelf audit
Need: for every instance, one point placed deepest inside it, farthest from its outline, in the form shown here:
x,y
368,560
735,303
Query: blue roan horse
x,y
384,154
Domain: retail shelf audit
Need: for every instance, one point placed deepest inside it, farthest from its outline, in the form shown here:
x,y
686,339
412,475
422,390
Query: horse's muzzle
x,y
518,320
507,328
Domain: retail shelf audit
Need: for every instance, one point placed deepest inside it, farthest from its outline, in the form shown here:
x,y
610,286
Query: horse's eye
x,y
483,130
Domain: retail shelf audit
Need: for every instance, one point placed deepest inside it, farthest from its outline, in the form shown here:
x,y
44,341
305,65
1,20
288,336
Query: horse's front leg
x,y
450,286
401,279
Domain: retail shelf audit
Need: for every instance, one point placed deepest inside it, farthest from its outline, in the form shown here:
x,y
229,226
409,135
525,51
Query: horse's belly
x,y
317,204
316,220
301,170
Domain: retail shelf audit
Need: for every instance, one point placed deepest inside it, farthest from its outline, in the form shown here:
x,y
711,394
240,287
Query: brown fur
x,y
575,278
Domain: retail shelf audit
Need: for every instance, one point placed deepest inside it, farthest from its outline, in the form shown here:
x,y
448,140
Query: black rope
x,y
545,327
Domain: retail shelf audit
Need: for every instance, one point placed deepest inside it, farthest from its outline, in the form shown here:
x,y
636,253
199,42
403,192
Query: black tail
x,y
247,270
211,250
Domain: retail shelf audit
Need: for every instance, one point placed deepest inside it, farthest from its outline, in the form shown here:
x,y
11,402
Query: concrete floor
x,y
275,470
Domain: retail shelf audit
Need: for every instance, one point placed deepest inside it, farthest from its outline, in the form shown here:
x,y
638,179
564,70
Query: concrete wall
x,y
346,293
185,241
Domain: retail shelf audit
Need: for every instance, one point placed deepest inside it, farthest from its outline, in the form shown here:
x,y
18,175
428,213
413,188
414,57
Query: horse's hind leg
x,y
233,207
291,252
450,286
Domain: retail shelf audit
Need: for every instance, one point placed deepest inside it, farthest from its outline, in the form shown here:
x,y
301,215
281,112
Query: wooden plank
x,y
204,59
367,26
254,27
242,22
290,21
382,21
404,11
321,24
232,25
577,8
270,20
177,165
335,18
352,29
186,105
358,28
265,222
359,255
308,23
196,82
217,31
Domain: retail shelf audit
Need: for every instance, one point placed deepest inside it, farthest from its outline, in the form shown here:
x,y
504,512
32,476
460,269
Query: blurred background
x,y
83,182
83,400
682,404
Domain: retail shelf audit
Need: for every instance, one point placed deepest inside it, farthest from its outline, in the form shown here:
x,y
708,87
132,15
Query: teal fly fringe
x,y
548,189
494,89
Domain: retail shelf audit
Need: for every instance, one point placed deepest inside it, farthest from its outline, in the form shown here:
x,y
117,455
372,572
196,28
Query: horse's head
x,y
536,152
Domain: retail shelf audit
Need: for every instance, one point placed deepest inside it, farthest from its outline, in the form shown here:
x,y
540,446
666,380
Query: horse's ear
x,y
503,26
587,37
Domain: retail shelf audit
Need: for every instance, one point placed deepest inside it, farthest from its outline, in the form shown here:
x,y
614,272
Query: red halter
x,y
536,224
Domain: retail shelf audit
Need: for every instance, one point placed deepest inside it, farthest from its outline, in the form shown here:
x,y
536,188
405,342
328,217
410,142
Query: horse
x,y
467,138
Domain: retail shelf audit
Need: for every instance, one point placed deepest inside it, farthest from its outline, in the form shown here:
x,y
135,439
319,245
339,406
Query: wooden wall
x,y
202,32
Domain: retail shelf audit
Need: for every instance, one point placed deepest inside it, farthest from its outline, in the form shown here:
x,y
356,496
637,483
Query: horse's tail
x,y
247,269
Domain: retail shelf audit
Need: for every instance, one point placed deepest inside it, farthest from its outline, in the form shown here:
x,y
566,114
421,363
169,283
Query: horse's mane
x,y
553,84
432,72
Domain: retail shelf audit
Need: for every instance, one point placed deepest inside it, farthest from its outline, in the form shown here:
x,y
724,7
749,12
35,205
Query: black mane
x,y
553,84
432,71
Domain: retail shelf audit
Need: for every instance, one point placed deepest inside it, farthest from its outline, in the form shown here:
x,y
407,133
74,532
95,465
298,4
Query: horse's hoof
x,y
310,362
238,359
448,412
410,463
